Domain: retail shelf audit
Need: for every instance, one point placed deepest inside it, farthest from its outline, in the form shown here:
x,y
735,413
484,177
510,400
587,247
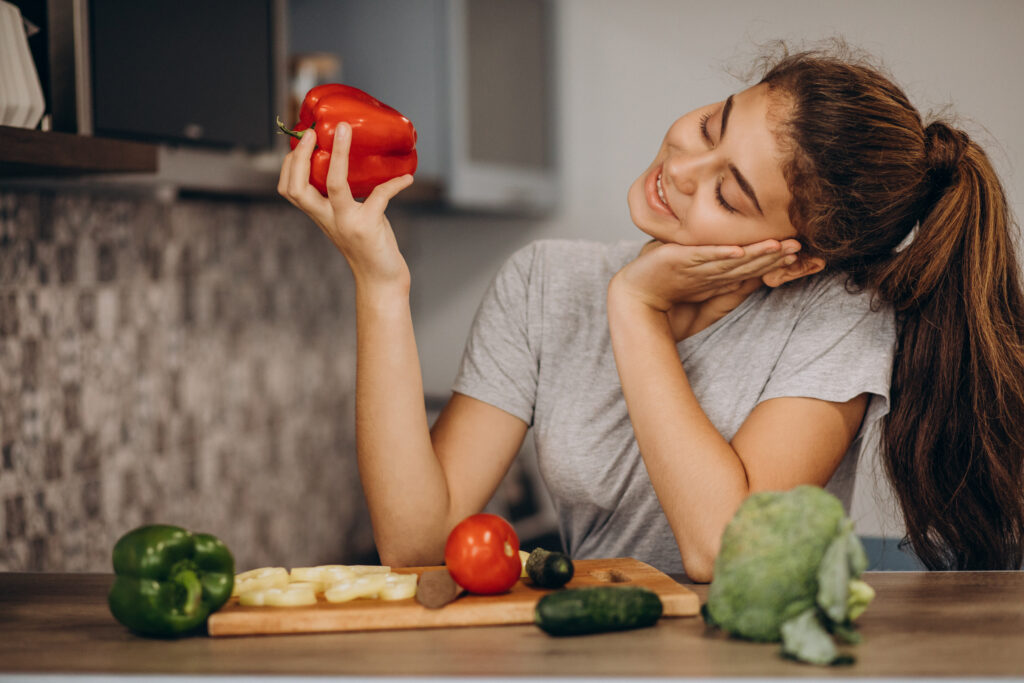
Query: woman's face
x,y
717,178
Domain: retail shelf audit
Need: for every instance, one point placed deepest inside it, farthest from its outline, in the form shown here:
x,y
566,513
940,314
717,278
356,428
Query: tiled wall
x,y
189,363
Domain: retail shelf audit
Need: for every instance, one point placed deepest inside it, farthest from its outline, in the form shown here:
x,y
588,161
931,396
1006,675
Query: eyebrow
x,y
744,184
725,115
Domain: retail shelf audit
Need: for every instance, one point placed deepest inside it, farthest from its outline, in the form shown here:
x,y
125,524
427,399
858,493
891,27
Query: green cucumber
x,y
577,611
549,569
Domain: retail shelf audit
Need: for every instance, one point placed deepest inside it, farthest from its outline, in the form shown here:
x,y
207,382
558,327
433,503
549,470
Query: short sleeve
x,y
500,362
840,347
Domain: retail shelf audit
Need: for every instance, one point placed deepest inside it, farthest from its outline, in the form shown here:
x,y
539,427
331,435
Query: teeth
x,y
661,192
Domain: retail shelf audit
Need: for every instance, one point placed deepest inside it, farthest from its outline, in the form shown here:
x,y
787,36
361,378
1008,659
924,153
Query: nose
x,y
685,171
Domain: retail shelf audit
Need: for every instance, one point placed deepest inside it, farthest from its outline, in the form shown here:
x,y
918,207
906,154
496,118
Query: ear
x,y
803,266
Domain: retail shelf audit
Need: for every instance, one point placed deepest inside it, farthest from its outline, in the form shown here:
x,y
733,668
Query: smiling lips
x,y
661,191
656,193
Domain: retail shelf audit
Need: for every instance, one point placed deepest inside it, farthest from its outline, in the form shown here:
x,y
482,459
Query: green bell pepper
x,y
168,580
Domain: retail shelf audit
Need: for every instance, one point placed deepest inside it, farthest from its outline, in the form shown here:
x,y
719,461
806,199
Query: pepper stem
x,y
297,134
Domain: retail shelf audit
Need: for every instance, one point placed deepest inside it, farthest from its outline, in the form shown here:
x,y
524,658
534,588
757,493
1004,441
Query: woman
x,y
822,266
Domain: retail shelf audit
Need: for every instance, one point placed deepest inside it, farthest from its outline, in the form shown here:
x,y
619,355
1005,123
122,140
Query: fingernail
x,y
792,249
342,130
789,260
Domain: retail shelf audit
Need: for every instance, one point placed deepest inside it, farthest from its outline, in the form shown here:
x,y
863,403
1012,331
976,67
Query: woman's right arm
x,y
417,487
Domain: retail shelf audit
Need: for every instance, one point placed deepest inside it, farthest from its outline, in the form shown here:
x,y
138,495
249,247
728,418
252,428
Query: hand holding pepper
x,y
360,230
383,142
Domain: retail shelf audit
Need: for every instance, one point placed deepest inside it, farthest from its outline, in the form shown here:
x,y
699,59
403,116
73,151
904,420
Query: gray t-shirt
x,y
540,349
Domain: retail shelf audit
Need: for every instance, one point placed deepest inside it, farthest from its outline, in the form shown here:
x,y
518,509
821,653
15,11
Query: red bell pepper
x,y
383,141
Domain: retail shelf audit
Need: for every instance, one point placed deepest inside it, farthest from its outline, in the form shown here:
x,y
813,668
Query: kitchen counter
x,y
963,624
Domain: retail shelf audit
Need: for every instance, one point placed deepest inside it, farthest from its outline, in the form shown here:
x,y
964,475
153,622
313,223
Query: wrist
x,y
384,296
623,296
629,314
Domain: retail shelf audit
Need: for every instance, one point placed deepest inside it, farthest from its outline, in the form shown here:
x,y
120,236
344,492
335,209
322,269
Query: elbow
x,y
394,557
699,565
406,555
405,545
699,553
399,560
390,558
700,572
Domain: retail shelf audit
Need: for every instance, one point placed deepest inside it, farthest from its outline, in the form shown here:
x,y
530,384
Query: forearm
x,y
402,478
699,479
401,475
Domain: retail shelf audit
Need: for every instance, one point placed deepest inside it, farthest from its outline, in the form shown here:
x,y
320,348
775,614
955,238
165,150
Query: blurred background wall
x,y
191,360
187,363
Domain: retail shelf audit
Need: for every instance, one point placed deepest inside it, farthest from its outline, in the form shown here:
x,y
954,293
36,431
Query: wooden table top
x,y
921,624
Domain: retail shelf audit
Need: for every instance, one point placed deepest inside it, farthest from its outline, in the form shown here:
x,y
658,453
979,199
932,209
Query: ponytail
x,y
865,174
954,437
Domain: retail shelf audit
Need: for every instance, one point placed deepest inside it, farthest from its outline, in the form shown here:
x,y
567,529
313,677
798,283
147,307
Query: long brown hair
x,y
866,174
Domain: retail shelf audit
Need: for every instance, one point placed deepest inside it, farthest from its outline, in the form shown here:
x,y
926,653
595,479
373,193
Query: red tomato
x,y
482,554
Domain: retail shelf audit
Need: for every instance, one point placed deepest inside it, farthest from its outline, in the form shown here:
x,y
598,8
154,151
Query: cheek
x,y
704,225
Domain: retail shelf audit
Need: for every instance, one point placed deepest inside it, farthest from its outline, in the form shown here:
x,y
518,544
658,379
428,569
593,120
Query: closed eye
x,y
721,199
704,128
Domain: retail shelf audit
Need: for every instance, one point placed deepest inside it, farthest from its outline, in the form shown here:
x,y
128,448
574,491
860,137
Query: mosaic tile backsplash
x,y
188,363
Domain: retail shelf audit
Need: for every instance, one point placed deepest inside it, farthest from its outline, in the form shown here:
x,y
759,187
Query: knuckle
x,y
335,184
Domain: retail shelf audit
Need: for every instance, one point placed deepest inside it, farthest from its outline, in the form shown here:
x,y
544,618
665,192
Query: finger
x,y
711,253
791,246
756,256
759,249
385,192
771,246
753,265
298,179
338,190
762,265
294,186
747,266
282,180
709,261
302,193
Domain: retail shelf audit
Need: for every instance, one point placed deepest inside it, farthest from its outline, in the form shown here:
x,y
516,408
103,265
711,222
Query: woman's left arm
x,y
699,477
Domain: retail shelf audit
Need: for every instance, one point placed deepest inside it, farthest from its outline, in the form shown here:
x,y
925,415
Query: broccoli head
x,y
789,569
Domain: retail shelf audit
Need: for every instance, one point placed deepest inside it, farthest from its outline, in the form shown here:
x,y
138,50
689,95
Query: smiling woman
x,y
762,339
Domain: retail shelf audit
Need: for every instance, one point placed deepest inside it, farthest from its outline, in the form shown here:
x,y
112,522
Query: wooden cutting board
x,y
514,607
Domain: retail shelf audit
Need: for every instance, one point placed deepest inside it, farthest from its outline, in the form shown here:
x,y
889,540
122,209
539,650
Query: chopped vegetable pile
x,y
788,570
277,587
